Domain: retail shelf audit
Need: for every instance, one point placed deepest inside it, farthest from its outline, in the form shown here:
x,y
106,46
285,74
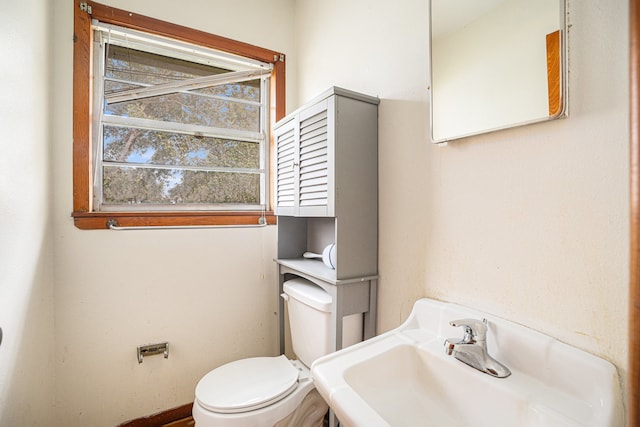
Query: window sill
x,y
98,220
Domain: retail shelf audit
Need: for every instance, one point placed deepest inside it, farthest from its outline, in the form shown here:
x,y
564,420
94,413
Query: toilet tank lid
x,y
308,293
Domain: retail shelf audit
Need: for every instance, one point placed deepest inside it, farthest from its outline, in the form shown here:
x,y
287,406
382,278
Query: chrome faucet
x,y
472,348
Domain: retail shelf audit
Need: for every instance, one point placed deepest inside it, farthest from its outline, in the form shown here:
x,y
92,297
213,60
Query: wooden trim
x,y
112,15
278,78
98,220
633,391
84,216
81,109
554,82
161,418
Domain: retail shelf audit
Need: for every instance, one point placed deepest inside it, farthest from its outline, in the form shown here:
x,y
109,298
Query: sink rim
x,y
432,404
425,330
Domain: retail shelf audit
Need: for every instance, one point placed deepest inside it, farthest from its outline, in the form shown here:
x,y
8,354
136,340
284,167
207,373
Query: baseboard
x,y
161,418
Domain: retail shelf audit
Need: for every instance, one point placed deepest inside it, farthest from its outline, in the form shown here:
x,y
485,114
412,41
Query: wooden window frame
x,y
83,214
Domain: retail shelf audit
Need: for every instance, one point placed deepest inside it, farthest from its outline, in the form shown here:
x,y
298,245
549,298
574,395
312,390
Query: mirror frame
x,y
564,92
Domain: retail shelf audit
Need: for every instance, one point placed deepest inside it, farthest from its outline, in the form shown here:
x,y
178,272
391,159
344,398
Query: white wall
x,y
212,294
26,269
530,224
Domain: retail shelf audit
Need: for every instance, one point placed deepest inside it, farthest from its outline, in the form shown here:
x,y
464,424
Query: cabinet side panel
x,y
356,187
292,236
320,233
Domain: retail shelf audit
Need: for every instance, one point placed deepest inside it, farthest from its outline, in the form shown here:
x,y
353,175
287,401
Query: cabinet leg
x,y
370,317
333,420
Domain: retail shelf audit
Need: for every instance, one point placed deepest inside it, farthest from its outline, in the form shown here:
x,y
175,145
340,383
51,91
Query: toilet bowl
x,y
275,391
260,391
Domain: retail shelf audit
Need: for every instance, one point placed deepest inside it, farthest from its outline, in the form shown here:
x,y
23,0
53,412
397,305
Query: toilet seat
x,y
247,384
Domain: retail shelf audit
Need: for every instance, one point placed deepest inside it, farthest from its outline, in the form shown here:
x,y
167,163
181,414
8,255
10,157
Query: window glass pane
x,y
148,68
248,91
131,185
193,109
129,68
112,86
166,148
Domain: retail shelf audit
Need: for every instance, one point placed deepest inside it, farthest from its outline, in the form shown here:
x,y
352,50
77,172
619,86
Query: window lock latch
x,y
85,7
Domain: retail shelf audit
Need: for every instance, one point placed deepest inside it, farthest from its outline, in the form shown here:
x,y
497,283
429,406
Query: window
x,y
174,128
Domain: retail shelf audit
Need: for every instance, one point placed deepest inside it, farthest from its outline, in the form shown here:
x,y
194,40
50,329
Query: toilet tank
x,y
309,308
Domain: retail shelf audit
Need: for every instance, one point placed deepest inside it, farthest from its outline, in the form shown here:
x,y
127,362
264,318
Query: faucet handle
x,y
474,330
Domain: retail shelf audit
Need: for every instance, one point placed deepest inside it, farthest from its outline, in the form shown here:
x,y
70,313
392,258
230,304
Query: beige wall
x,y
530,224
26,269
210,293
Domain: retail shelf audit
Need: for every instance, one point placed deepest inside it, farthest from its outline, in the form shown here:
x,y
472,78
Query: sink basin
x,y
404,378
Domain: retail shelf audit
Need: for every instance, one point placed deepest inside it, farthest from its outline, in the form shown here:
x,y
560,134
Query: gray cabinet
x,y
326,191
326,155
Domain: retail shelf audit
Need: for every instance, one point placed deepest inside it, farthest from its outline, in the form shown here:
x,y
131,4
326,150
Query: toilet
x,y
275,391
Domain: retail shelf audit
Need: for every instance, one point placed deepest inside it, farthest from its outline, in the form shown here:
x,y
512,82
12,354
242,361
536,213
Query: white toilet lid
x,y
247,384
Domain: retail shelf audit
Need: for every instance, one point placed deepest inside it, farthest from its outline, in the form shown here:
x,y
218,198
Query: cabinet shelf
x,y
316,269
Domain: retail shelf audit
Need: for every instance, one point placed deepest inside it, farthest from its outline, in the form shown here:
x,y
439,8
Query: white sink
x,y
404,378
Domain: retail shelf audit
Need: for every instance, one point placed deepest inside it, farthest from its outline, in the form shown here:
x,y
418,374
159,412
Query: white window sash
x,y
189,129
246,69
133,39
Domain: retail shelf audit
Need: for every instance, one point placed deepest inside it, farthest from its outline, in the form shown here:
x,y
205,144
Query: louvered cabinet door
x,y
286,181
315,178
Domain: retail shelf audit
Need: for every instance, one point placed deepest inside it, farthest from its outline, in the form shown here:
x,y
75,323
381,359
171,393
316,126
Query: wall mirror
x,y
496,64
